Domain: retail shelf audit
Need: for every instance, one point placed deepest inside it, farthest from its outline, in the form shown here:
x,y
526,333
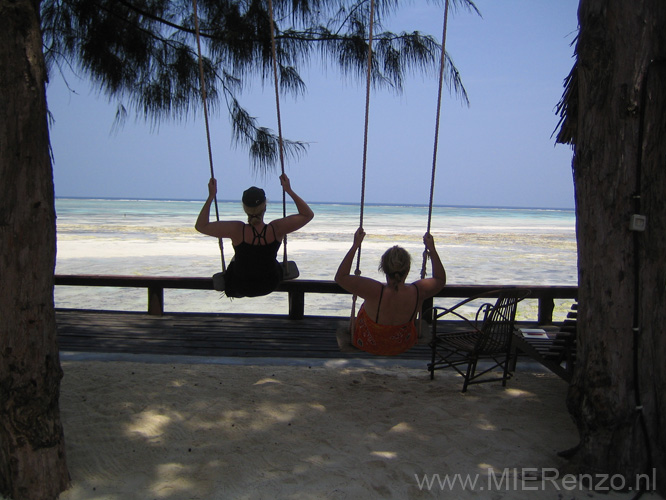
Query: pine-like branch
x,y
142,53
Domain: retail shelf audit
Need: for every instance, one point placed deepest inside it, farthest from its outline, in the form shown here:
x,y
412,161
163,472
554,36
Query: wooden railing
x,y
297,289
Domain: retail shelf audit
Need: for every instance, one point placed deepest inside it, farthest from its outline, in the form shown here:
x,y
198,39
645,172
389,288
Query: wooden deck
x,y
227,337
215,335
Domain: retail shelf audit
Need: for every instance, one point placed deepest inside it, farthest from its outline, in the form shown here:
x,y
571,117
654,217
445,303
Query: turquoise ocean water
x,y
157,238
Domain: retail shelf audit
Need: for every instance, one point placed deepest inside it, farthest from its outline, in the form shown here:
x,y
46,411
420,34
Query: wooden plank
x,y
205,334
298,285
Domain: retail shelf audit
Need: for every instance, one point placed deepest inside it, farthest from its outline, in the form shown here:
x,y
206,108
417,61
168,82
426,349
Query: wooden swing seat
x,y
289,270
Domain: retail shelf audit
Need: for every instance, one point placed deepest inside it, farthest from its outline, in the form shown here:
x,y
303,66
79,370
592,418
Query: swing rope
x,y
279,121
365,151
436,142
205,110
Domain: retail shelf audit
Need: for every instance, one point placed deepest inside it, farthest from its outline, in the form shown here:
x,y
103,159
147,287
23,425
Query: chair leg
x,y
509,359
514,359
471,369
505,373
433,349
431,366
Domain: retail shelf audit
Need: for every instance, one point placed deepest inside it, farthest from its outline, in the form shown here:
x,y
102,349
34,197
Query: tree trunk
x,y
618,166
32,448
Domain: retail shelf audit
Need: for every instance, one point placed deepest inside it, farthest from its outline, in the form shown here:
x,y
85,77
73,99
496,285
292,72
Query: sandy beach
x,y
326,430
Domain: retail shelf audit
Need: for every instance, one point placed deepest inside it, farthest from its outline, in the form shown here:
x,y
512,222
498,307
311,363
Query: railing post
x,y
427,304
155,300
546,308
296,304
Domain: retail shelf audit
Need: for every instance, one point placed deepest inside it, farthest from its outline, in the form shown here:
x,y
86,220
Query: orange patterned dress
x,y
384,340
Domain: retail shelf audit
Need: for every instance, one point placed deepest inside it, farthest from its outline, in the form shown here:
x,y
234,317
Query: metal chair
x,y
488,337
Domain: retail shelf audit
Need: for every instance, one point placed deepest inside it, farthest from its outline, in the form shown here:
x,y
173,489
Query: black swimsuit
x,y
254,270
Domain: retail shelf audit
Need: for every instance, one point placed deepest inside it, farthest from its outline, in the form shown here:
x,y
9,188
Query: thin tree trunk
x,y
620,144
32,449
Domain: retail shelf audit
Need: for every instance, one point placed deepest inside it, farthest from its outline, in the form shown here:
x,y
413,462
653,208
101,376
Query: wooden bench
x,y
558,352
563,348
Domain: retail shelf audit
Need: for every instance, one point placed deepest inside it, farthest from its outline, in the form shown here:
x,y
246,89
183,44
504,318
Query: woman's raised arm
x,y
218,229
429,287
292,222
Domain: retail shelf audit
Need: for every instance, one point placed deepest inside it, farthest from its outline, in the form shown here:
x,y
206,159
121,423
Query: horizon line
x,y
348,203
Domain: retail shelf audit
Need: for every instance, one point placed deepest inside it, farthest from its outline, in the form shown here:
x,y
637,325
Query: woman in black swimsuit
x,y
254,270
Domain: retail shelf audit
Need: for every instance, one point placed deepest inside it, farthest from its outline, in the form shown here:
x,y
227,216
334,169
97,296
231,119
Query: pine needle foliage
x,y
142,54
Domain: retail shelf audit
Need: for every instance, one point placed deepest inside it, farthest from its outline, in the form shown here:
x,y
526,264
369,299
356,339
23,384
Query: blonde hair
x,y
395,263
254,212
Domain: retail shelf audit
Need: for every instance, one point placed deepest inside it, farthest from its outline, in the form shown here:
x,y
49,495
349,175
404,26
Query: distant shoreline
x,y
411,205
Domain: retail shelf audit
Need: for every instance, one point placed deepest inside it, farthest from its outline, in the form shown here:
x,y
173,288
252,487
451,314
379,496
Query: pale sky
x,y
500,151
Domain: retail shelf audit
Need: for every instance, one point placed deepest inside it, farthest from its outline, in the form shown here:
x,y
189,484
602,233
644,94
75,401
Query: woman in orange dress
x,y
385,324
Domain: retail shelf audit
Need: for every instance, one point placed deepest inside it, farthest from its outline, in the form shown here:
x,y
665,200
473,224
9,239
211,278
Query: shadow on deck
x,y
216,335
212,335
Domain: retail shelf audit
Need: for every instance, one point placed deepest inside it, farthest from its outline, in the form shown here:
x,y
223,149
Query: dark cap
x,y
253,197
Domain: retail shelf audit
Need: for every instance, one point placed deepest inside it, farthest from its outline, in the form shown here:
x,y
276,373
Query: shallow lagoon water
x,y
157,238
